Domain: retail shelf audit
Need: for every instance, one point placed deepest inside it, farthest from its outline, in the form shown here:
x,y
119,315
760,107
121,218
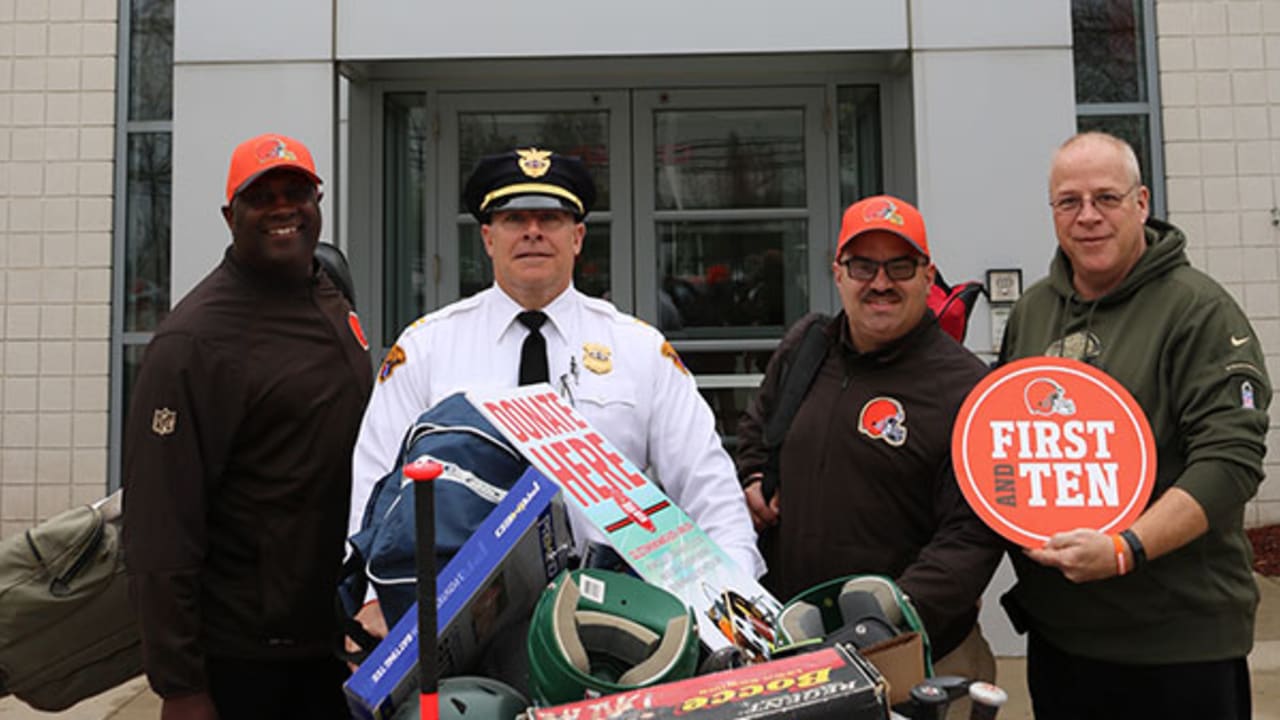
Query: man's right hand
x,y
198,706
371,619
763,514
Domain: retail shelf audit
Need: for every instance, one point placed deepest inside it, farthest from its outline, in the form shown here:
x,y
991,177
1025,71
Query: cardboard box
x,y
830,683
900,660
494,580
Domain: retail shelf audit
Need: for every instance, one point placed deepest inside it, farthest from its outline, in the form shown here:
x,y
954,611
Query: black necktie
x,y
533,354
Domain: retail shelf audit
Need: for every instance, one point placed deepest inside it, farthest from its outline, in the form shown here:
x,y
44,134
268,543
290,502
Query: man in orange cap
x,y
237,462
866,464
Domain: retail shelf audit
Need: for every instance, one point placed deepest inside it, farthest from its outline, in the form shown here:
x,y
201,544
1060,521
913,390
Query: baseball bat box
x,y
494,580
834,682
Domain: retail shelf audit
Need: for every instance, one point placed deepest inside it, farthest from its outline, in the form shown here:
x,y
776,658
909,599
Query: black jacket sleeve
x,y
180,425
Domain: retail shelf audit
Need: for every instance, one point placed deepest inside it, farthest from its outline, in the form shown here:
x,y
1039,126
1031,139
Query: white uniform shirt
x,y
641,399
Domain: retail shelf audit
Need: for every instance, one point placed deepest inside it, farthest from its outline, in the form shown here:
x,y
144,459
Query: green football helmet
x,y
824,610
596,632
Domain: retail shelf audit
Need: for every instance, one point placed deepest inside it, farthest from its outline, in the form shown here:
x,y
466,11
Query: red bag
x,y
953,305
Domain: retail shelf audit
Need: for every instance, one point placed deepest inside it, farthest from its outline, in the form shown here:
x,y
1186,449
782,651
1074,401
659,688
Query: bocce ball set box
x,y
828,683
496,578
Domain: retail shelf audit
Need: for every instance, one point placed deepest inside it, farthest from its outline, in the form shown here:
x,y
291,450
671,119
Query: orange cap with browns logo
x,y
887,213
257,155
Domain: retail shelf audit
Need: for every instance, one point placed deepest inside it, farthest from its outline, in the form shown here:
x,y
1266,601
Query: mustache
x,y
889,294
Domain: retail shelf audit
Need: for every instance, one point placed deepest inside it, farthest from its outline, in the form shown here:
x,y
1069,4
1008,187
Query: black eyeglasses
x,y
1072,204
899,268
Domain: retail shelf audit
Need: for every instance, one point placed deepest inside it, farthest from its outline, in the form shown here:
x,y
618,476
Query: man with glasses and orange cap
x,y
864,479
237,462
1157,620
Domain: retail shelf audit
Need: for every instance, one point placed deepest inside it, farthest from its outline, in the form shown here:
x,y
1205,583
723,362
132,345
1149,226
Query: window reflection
x,y
132,357
731,274
1106,39
858,117
729,159
404,272
151,60
148,200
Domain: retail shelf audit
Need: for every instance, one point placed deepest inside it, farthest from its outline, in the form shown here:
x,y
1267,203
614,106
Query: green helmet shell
x,y
470,698
822,602
596,632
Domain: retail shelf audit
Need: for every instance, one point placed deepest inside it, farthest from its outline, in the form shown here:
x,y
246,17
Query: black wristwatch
x,y
1135,545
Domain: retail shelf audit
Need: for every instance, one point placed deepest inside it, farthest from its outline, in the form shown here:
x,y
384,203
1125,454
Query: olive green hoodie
x,y
1179,343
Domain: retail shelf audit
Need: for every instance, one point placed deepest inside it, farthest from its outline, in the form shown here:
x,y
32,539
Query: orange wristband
x,y
1121,565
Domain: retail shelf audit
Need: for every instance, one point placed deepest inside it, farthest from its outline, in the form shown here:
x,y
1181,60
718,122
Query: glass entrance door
x,y
731,221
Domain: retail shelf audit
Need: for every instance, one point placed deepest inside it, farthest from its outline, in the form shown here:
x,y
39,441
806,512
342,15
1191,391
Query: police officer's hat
x,y
529,179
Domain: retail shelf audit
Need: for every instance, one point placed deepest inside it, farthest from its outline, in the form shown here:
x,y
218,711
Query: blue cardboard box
x,y
495,579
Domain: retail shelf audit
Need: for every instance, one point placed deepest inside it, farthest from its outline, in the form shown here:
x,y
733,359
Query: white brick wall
x,y
1219,66
57,109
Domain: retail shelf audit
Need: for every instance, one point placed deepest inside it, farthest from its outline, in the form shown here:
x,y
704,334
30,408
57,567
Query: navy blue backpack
x,y
479,467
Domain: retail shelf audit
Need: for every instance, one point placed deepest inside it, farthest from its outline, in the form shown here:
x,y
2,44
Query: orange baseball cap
x,y
257,155
884,212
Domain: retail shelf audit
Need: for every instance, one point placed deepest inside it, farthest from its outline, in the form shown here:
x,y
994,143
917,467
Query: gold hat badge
x,y
534,162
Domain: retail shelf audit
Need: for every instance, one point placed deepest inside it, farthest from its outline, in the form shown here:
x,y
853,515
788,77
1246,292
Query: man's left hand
x,y
1082,555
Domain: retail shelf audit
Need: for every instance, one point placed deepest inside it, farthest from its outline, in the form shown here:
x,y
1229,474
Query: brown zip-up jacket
x,y
859,495
238,472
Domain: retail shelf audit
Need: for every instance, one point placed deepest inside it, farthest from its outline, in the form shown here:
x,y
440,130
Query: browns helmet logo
x,y
1046,397
882,209
884,419
273,149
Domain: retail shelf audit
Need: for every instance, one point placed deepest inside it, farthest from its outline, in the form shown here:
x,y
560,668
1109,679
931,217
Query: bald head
x,y
1094,141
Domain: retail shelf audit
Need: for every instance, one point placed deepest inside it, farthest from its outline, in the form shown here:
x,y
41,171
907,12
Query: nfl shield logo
x,y
164,421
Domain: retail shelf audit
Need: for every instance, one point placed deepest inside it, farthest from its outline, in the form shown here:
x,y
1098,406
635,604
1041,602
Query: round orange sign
x,y
1044,445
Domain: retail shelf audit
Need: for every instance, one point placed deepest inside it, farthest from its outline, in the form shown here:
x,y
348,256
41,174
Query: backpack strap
x,y
798,373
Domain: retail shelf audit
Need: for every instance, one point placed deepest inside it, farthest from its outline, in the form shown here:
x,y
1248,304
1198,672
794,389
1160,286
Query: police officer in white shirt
x,y
619,372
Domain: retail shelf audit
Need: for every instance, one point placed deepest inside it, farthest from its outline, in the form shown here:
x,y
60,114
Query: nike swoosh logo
x,y
1237,342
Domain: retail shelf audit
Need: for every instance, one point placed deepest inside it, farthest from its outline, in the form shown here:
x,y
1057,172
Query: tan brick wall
x,y
57,137
1220,86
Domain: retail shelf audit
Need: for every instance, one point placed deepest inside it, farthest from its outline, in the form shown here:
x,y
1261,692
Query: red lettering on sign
x,y
532,416
615,459
552,415
597,463
564,472
504,417
554,402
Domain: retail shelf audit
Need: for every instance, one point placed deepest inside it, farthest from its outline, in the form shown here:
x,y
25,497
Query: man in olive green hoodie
x,y
1165,633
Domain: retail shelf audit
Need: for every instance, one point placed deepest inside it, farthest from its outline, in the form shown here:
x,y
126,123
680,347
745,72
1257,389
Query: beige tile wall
x,y
1220,85
57,136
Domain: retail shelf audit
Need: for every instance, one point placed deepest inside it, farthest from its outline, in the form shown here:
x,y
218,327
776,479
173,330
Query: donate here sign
x,y
1044,445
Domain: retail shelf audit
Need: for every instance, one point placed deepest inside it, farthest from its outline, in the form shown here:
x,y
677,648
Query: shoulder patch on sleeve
x,y
670,353
395,358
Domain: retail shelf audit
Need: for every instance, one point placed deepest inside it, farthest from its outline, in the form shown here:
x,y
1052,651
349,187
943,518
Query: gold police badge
x,y
164,421
534,162
597,358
